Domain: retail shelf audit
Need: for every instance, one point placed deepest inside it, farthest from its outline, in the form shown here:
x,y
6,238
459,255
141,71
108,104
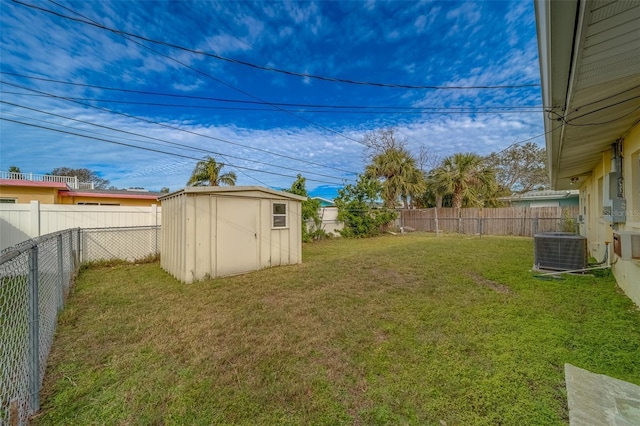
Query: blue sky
x,y
79,89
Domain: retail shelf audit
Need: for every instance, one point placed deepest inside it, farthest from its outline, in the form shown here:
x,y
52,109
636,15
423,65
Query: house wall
x,y
19,222
597,230
26,194
628,272
118,201
330,222
214,235
562,202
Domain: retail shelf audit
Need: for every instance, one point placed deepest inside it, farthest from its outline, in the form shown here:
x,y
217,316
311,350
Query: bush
x,y
358,212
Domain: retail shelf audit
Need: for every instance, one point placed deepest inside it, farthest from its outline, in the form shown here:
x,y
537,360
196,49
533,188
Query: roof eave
x,y
556,42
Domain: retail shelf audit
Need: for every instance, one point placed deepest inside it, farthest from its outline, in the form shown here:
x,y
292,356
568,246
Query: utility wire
x,y
569,122
431,111
152,149
283,104
265,68
179,129
102,134
126,37
166,141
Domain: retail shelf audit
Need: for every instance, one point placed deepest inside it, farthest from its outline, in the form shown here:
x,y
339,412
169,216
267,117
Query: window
x,y
97,204
279,215
8,200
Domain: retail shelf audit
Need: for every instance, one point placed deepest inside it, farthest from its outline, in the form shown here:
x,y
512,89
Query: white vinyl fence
x,y
19,222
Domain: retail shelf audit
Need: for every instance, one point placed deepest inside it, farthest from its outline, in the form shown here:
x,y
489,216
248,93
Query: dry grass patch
x,y
396,330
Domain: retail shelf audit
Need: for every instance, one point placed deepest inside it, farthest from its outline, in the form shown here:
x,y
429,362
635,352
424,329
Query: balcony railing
x,y
71,181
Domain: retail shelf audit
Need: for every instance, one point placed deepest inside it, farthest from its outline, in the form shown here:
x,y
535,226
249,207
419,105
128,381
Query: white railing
x,y
71,181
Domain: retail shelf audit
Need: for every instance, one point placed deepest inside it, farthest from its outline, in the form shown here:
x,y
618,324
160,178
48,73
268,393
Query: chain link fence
x,y
127,243
35,278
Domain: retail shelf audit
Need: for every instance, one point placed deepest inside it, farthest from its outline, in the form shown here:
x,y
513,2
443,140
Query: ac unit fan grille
x,y
561,251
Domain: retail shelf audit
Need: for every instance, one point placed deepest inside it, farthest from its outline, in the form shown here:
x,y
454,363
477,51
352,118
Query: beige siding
x,y
597,230
628,272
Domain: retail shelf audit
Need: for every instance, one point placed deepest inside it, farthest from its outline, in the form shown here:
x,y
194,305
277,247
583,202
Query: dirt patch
x,y
480,280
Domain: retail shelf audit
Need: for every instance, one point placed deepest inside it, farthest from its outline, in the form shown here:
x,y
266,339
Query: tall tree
x,y
521,168
208,172
14,169
311,222
380,140
466,178
83,175
399,175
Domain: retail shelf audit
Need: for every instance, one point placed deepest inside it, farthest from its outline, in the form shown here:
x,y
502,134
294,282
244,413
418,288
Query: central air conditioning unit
x,y
560,251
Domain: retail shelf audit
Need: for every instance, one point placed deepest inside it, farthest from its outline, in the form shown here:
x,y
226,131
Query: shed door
x,y
237,223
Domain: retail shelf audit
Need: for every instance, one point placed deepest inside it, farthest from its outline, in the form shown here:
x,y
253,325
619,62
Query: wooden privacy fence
x,y
519,221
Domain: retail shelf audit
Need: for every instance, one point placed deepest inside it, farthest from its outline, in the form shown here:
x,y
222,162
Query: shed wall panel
x,y
204,215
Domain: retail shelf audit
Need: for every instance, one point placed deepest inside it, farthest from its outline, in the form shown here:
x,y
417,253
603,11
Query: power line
x,y
529,139
102,134
265,68
166,141
125,36
528,108
152,149
179,129
416,111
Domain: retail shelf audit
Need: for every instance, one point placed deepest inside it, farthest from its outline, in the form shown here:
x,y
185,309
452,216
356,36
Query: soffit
x,y
603,96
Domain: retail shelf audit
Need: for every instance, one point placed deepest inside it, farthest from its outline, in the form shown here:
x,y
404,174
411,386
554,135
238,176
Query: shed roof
x,y
234,191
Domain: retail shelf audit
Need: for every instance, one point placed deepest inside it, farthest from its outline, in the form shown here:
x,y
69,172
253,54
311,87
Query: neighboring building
x,y
545,198
21,188
324,202
330,223
329,216
105,197
24,191
590,71
214,231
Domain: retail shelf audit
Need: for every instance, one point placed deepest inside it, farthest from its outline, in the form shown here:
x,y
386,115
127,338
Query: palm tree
x,y
400,175
207,173
465,177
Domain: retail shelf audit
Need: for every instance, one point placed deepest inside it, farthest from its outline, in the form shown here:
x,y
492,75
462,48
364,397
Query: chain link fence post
x,y
72,257
34,332
79,247
60,273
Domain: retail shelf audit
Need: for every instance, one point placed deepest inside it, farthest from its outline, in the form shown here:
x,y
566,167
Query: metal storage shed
x,y
216,231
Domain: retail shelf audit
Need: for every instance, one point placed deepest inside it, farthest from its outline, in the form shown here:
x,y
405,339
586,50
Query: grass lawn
x,y
409,329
